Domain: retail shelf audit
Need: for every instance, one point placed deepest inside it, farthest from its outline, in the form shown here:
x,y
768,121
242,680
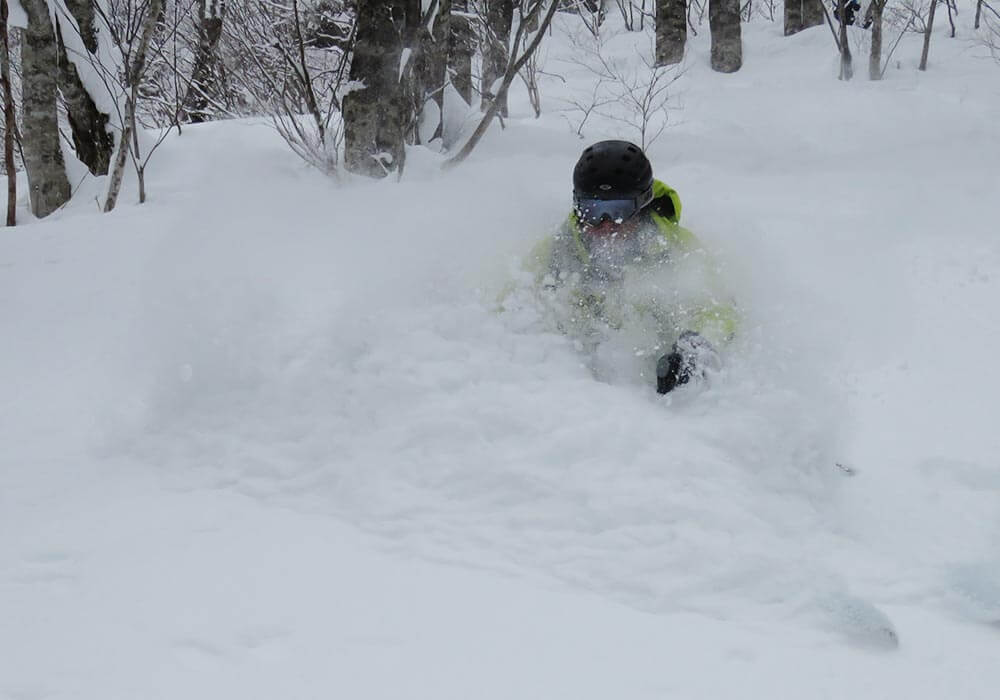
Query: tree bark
x,y
211,14
92,140
927,36
875,59
496,49
373,115
812,13
727,39
121,156
133,78
88,125
846,60
48,185
530,18
83,13
432,47
423,79
979,13
793,17
10,122
516,64
461,49
671,31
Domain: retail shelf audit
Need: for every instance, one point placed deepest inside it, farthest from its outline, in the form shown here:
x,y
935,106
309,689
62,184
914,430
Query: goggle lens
x,y
593,211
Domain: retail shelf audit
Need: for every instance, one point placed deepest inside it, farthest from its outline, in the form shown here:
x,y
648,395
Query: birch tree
x,y
812,13
519,57
727,39
461,49
211,14
48,186
927,35
437,39
134,45
802,14
76,36
875,57
671,31
9,120
495,41
846,60
793,17
428,41
374,121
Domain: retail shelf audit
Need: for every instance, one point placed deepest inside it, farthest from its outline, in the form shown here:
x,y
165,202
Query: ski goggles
x,y
592,211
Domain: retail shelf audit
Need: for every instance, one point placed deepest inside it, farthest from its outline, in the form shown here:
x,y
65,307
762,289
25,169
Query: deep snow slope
x,y
269,435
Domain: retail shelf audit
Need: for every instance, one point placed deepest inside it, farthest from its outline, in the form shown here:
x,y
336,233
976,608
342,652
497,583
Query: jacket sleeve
x,y
541,267
555,258
717,321
713,313
538,263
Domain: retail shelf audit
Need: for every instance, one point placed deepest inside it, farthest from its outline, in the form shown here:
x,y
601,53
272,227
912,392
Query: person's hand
x,y
690,356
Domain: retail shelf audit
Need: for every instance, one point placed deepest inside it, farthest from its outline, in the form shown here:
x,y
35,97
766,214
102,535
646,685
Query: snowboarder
x,y
622,252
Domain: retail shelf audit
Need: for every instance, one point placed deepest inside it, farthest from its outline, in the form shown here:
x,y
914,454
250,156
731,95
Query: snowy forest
x,y
500,349
353,82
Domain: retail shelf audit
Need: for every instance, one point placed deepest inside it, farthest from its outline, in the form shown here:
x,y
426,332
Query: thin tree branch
x,y
512,70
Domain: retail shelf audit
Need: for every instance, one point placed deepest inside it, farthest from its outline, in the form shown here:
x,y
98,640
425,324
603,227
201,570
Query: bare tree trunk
x,y
875,59
133,78
211,14
530,77
121,156
415,69
513,67
92,140
10,122
83,13
425,75
846,60
979,12
727,39
812,13
793,17
373,115
431,46
496,49
531,20
927,36
140,166
671,31
461,49
48,185
951,19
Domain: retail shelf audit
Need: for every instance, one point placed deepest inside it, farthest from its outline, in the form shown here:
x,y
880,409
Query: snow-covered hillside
x,y
269,435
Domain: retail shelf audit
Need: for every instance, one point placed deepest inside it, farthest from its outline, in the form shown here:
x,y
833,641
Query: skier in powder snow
x,y
623,253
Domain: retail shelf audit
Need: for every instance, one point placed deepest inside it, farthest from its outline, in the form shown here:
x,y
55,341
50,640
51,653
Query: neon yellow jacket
x,y
566,259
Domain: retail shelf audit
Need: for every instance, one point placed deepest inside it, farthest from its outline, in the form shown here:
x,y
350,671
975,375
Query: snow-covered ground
x,y
268,435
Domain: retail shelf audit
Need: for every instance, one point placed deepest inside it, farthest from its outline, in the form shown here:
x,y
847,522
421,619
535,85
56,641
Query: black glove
x,y
690,356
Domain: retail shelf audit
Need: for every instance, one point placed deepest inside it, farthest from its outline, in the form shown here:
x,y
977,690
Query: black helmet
x,y
613,170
